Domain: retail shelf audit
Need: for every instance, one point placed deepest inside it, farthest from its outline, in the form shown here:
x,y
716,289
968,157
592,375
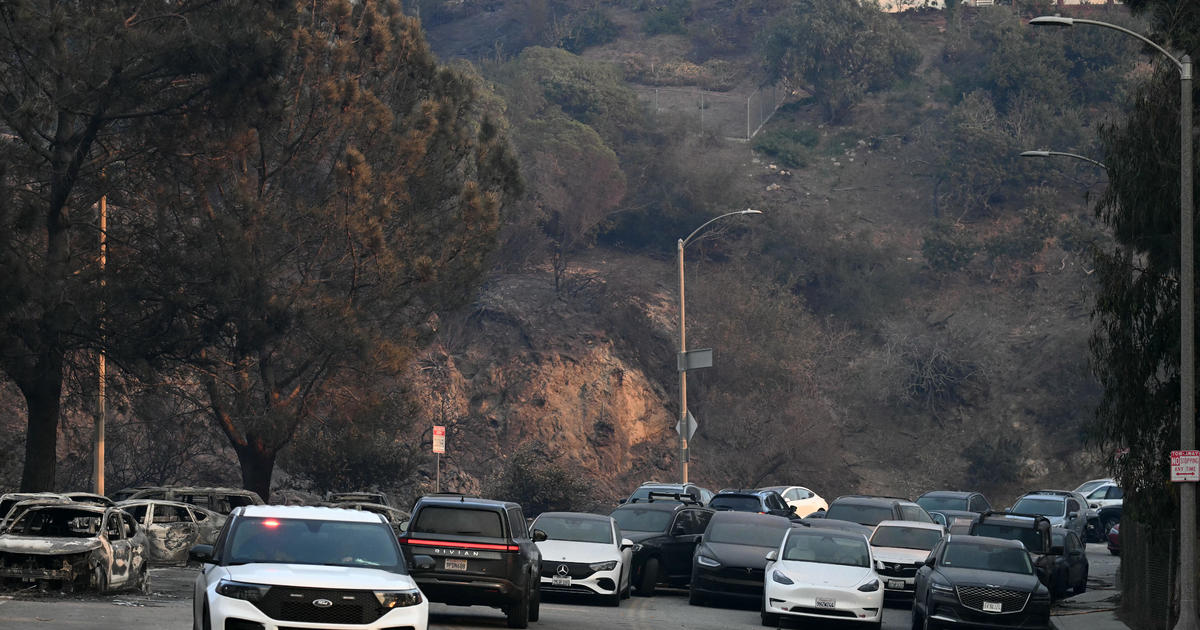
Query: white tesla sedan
x,y
822,573
277,566
900,548
584,553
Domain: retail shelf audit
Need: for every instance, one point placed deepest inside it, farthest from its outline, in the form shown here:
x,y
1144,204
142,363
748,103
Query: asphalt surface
x,y
169,606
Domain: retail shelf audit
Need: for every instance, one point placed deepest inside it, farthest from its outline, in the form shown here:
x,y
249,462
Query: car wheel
x,y
143,581
1082,586
926,622
613,600
100,579
518,613
695,598
917,621
535,606
625,592
770,620
649,578
1115,552
205,622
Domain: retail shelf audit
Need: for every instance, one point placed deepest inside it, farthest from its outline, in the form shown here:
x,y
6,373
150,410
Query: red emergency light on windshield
x,y
272,523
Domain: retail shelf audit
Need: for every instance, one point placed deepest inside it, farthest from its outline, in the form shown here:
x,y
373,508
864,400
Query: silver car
x,y
1064,508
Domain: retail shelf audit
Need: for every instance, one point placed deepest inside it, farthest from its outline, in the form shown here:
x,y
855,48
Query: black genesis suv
x,y
979,582
665,533
871,510
761,501
483,555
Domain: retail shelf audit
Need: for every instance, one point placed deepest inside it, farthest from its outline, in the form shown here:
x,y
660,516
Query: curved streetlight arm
x,y
1057,20
683,242
1062,153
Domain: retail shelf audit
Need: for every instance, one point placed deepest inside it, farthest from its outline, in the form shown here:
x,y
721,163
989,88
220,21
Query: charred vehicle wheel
x,y
100,579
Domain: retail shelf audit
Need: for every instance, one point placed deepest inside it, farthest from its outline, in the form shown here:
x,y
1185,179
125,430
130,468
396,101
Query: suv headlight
x,y
242,590
705,561
398,599
869,587
941,587
603,566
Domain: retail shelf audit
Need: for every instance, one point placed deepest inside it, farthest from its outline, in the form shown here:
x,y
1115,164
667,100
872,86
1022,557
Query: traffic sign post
x,y
1185,466
439,447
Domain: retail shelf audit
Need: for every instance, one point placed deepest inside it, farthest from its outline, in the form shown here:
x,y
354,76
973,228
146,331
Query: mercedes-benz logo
x,y
564,570
322,603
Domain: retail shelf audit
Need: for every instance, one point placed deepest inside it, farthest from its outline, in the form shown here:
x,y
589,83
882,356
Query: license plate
x,y
896,585
560,581
992,607
826,602
456,564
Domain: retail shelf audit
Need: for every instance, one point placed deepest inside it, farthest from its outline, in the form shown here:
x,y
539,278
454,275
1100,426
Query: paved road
x,y
169,607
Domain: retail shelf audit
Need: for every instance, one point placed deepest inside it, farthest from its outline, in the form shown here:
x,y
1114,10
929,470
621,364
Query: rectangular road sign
x,y
1185,465
439,439
694,359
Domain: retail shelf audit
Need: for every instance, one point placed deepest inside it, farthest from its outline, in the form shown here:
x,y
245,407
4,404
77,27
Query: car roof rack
x,y
681,497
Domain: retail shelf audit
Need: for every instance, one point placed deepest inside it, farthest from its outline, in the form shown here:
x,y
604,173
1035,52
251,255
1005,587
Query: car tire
x,y
918,621
1115,552
627,590
205,620
535,606
695,598
649,578
518,613
613,600
143,581
926,622
100,579
771,620
1082,586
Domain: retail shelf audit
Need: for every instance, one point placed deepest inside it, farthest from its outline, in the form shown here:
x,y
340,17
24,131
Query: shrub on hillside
x,y
667,17
592,28
947,247
789,146
539,482
993,462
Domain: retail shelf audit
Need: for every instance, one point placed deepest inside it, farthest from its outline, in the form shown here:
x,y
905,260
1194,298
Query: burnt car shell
x,y
172,528
74,546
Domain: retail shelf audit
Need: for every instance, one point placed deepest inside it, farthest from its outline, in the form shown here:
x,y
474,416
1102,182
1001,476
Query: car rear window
x,y
906,537
1031,538
965,555
1051,506
631,519
458,522
870,515
737,503
943,503
749,534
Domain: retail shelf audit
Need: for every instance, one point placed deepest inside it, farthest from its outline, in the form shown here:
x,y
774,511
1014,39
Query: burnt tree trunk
x,y
43,400
257,461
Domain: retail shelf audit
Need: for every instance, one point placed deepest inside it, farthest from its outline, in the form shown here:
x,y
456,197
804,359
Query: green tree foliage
x,y
591,28
839,50
87,90
323,227
538,481
1135,345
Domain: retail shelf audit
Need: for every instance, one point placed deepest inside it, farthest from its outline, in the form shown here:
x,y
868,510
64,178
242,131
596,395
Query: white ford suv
x,y
276,566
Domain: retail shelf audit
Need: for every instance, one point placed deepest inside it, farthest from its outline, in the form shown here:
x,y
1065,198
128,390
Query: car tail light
x,y
458,545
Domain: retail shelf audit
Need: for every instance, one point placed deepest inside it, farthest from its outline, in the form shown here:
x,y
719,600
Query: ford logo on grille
x,y
322,603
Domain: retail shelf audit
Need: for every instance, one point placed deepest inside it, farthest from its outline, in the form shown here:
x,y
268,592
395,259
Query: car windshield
x,y
574,529
736,502
1041,506
56,523
749,534
967,555
826,549
642,520
943,503
906,537
304,541
864,514
1031,538
1088,486
458,522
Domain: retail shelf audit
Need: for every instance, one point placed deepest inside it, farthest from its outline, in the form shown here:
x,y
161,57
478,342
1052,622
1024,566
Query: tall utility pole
x,y
683,408
1187,317
101,403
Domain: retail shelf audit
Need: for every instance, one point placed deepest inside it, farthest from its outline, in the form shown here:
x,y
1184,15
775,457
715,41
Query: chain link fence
x,y
733,115
1149,559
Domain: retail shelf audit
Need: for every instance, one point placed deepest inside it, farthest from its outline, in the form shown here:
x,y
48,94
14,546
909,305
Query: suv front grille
x,y
577,570
1010,601
898,569
287,603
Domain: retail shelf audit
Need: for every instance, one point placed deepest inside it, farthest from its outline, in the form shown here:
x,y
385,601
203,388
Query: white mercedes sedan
x,y
821,573
584,554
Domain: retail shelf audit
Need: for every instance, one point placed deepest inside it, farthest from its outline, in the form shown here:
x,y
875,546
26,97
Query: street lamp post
x,y
1187,331
683,410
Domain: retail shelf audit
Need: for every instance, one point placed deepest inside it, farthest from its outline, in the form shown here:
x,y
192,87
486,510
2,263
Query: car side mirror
x,y
626,544
792,509
539,535
929,561
423,563
772,555
201,553
621,501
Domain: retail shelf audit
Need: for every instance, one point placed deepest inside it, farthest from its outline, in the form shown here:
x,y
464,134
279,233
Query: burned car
x,y
74,546
10,500
221,500
397,518
172,528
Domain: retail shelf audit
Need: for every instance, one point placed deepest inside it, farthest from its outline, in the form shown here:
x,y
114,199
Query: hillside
x,y
975,377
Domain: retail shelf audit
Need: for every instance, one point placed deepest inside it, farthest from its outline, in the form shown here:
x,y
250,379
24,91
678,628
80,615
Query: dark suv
x,y
870,510
665,532
483,555
761,501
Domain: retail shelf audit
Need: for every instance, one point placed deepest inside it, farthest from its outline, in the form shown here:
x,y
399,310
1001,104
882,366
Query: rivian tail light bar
x,y
458,545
